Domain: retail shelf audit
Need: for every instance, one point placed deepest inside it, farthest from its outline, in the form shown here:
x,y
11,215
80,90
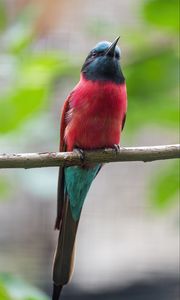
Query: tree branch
x,y
55,159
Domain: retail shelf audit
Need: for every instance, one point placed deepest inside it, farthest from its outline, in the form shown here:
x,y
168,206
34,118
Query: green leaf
x,y
162,13
165,186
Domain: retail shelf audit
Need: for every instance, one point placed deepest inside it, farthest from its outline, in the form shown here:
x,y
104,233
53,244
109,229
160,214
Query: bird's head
x,y
103,63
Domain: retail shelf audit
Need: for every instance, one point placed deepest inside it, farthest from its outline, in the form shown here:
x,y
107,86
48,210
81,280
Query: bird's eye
x,y
94,54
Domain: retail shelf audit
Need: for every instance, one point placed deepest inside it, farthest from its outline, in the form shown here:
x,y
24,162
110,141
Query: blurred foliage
x,y
162,13
30,88
15,289
152,88
17,38
162,71
165,186
3,293
153,72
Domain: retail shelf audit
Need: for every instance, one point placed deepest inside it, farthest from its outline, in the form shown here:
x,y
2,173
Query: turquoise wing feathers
x,y
77,184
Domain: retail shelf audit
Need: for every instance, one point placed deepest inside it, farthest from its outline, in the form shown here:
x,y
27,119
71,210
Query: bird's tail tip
x,y
57,289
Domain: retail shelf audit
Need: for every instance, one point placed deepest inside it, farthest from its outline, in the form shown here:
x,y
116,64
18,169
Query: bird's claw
x,y
116,148
80,152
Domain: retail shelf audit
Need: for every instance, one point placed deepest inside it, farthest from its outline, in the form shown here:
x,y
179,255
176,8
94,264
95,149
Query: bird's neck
x,y
104,70
97,85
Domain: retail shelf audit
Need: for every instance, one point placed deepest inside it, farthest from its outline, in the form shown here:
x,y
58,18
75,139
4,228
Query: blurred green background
x,y
42,47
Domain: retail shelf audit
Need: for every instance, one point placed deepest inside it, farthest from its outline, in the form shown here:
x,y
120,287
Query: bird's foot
x,y
116,148
80,152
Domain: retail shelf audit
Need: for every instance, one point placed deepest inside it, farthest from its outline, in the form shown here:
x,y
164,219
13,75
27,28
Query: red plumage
x,y
93,115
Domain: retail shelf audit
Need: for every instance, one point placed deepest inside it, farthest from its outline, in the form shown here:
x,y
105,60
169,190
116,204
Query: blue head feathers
x,y
102,47
102,63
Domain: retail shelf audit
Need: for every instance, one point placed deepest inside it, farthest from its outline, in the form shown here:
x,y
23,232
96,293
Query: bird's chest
x,y
99,111
96,117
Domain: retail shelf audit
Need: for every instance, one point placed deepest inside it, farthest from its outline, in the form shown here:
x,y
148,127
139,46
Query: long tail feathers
x,y
78,181
56,291
64,256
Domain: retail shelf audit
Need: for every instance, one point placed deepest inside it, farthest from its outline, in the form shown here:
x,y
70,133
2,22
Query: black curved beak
x,y
111,50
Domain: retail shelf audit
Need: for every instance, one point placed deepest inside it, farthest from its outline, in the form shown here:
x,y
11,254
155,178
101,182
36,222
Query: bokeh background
x,y
128,239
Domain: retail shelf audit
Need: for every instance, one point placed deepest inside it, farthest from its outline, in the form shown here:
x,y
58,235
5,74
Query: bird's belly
x,y
94,130
99,133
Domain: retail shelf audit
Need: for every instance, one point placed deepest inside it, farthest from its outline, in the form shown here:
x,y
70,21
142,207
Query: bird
x,y
93,117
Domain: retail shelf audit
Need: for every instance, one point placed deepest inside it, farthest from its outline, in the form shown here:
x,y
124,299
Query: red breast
x,y
96,114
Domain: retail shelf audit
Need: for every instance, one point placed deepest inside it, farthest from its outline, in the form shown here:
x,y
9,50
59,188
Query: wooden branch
x,y
55,159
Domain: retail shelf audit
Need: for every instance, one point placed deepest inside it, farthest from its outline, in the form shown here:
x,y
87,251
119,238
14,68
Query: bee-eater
x,y
93,117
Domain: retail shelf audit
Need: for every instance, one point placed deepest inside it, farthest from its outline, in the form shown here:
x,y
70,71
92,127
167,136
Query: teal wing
x,y
77,183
